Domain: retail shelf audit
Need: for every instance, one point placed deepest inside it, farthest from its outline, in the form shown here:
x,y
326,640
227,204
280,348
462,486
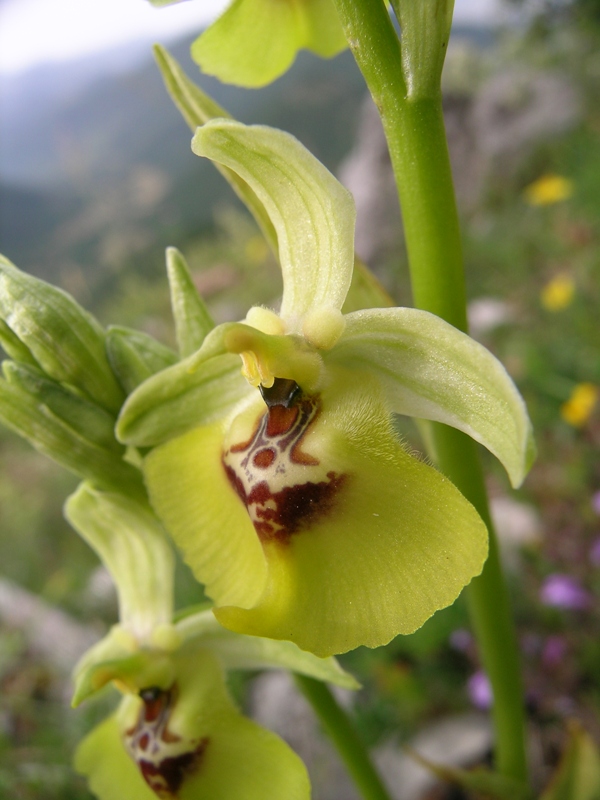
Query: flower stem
x,y
340,728
414,128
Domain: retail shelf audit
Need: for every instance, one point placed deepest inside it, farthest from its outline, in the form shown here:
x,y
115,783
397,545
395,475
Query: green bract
x,y
176,732
256,41
298,507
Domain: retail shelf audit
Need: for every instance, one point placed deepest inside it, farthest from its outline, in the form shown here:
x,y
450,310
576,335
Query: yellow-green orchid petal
x,y
236,651
311,211
256,41
315,518
187,741
433,371
133,546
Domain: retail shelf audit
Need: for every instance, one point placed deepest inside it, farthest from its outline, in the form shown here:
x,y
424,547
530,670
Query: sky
x,y
33,32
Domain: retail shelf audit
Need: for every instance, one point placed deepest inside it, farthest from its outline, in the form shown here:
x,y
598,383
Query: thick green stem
x,y
341,731
414,129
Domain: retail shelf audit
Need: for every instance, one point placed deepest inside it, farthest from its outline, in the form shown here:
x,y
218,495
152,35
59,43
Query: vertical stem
x,y
342,732
416,138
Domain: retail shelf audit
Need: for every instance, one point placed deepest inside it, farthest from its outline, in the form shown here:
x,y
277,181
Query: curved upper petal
x,y
311,211
429,369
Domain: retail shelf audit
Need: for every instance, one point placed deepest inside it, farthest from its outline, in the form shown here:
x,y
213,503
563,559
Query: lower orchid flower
x,y
284,484
176,733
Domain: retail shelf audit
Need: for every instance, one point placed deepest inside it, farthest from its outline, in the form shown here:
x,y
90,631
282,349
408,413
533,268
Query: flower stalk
x,y
414,129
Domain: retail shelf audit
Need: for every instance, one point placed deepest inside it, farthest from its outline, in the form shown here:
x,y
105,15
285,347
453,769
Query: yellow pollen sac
x,y
323,327
265,320
255,370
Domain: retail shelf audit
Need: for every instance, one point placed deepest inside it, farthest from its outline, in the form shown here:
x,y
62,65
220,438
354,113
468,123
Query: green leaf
x,y
66,341
132,545
88,419
134,356
192,319
236,651
490,784
391,541
256,41
180,398
425,33
311,211
197,108
578,774
431,370
53,437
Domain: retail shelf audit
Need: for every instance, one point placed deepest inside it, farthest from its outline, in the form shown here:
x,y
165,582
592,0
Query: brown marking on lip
x,y
259,469
280,420
166,777
279,515
264,458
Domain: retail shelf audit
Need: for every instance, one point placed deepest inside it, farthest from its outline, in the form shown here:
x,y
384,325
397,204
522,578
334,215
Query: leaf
x,y
431,370
311,211
491,784
578,774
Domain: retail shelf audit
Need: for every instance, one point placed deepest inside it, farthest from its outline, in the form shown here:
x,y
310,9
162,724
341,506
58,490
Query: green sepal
x,y
365,290
132,545
483,782
425,33
115,657
578,773
89,420
197,108
429,369
14,347
313,214
66,341
135,356
180,398
237,651
33,420
256,41
192,318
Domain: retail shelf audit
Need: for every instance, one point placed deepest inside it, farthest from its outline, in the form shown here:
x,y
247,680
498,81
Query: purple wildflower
x,y
480,690
564,591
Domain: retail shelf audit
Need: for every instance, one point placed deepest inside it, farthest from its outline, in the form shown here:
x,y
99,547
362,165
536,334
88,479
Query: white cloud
x,y
36,31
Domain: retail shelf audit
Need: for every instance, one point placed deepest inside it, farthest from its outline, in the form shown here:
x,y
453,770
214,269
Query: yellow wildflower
x,y
558,292
547,190
578,408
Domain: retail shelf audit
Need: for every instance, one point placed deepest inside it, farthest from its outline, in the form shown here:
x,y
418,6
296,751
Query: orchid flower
x,y
255,41
176,732
284,483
